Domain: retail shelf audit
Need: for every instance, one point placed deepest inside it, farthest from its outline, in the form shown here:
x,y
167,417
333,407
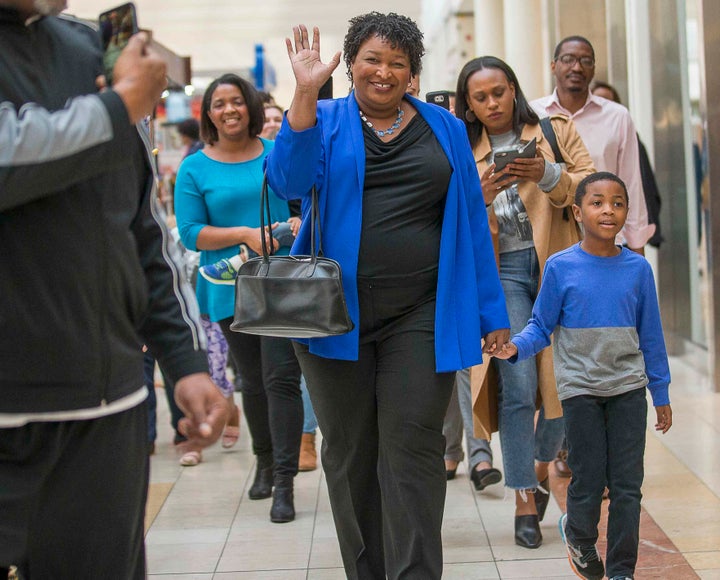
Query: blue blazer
x,y
331,156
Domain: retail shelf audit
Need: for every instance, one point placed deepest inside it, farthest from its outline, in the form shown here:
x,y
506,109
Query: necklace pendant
x,y
388,131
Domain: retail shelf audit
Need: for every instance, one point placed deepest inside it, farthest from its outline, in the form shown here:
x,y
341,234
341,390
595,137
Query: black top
x,y
406,182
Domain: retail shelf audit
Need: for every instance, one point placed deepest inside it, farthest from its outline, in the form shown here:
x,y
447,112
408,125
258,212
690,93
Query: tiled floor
x,y
203,526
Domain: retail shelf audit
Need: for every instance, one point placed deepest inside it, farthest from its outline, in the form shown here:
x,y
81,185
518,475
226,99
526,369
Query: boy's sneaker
x,y
585,562
221,272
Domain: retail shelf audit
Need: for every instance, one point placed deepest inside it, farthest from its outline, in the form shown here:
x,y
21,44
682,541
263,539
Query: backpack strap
x,y
549,133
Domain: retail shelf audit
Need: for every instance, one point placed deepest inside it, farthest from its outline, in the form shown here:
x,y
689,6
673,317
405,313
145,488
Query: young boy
x,y
599,301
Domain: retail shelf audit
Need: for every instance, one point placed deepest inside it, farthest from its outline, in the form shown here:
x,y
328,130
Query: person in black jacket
x,y
87,279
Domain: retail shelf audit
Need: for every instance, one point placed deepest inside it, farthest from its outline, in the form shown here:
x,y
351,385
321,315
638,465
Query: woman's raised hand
x,y
310,72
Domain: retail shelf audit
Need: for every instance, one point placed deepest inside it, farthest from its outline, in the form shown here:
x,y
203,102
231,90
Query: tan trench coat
x,y
551,233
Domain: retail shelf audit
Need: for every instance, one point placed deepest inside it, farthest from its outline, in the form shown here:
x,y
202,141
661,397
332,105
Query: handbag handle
x,y
314,220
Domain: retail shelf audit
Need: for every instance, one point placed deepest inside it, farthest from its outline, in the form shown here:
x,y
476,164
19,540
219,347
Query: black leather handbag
x,y
291,296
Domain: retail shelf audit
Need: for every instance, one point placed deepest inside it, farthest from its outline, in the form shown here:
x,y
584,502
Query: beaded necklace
x,y
392,128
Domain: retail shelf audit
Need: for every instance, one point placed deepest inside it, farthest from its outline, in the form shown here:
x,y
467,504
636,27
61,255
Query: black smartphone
x,y
502,157
440,98
116,26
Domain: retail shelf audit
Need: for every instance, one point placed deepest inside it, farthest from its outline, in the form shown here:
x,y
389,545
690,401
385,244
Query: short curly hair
x,y
400,31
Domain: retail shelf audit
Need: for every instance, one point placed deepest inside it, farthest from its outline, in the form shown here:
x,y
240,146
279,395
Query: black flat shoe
x,y
527,531
450,473
483,477
542,499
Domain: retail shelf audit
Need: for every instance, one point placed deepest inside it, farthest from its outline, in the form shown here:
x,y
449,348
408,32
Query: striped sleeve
x,y
44,152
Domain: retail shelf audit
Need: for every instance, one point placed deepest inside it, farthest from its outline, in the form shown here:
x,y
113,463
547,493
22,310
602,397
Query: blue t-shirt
x,y
214,193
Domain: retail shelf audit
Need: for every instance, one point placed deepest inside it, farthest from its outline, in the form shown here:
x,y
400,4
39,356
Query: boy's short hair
x,y
595,177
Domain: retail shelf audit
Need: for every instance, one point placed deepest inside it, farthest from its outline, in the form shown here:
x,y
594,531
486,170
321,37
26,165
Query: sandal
x,y
231,433
191,458
230,436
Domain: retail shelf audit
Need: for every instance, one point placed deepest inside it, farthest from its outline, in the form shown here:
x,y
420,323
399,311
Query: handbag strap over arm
x,y
266,221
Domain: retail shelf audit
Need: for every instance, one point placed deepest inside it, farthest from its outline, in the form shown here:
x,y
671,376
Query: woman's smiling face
x,y
380,75
229,112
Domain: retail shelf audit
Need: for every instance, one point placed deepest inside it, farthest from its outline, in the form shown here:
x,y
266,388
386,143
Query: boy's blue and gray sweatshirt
x,y
604,315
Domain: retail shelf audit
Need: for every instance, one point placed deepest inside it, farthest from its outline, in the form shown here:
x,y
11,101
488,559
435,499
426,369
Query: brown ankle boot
x,y
308,455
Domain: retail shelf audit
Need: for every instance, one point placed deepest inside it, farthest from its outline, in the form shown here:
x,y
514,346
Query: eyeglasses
x,y
571,59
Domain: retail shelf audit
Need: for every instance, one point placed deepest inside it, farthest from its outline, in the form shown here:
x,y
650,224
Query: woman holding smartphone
x,y
527,205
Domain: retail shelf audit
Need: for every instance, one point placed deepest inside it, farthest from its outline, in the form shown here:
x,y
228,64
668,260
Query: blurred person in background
x,y
459,420
273,120
189,131
649,184
414,87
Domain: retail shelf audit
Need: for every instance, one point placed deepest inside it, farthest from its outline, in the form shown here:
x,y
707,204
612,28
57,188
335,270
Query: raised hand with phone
x,y
140,77
132,68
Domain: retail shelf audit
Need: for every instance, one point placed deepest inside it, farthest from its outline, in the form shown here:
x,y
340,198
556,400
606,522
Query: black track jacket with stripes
x,y
87,270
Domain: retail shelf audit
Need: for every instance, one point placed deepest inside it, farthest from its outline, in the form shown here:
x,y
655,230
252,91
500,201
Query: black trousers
x,y
271,396
606,445
72,497
381,419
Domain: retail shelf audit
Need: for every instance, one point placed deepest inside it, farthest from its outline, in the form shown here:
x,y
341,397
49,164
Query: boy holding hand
x,y
599,301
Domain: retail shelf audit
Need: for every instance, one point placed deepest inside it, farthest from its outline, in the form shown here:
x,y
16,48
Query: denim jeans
x,y
460,415
175,413
149,381
606,444
309,420
518,383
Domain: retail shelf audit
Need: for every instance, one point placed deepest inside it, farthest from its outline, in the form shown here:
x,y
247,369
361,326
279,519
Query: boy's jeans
x,y
606,444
